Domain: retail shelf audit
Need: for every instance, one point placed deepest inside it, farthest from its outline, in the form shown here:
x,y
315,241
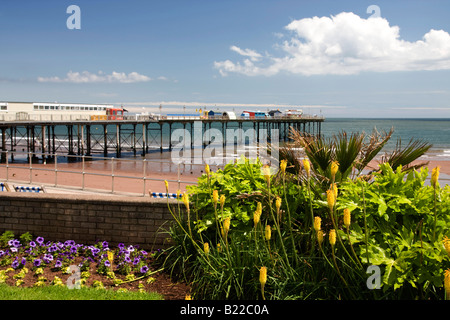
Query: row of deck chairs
x,y
163,195
5,187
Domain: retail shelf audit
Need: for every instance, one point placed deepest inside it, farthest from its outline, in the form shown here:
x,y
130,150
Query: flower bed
x,y
28,262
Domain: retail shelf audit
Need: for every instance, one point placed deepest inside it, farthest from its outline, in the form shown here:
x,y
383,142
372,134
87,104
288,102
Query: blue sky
x,y
326,57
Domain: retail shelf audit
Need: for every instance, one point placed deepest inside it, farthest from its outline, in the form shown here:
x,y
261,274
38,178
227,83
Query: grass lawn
x,y
63,293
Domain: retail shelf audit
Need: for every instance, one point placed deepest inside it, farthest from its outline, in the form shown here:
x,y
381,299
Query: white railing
x,y
77,165
138,117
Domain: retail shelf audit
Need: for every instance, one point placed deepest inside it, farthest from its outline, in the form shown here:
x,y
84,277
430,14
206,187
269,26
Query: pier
x,y
133,135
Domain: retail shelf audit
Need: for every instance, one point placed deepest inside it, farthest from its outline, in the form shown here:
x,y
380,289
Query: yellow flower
x,y
332,237
447,282
278,204
335,190
283,165
207,169
320,237
185,199
347,217
263,275
317,223
257,214
334,169
111,257
268,232
222,200
307,167
219,248
435,176
215,197
266,173
226,226
256,217
446,242
206,247
188,297
167,185
330,199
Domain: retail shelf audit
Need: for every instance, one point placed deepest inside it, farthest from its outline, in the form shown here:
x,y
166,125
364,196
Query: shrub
x,y
302,241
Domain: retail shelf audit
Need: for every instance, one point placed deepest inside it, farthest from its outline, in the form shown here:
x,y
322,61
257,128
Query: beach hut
x,y
229,115
275,113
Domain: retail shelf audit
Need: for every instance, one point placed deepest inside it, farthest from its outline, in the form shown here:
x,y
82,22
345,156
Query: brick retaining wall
x,y
87,219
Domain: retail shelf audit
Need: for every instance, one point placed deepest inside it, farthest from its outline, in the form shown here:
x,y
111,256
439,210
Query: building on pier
x,y
53,111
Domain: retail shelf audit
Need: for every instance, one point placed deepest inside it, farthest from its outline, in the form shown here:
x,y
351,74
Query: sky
x,y
371,59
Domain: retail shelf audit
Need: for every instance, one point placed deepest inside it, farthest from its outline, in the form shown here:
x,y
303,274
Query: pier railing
x,y
74,117
125,174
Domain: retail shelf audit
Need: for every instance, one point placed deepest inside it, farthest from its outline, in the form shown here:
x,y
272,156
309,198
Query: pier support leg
x,y
105,140
118,141
88,140
70,138
3,157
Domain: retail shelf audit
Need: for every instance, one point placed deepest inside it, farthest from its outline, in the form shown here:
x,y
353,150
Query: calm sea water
x,y
434,131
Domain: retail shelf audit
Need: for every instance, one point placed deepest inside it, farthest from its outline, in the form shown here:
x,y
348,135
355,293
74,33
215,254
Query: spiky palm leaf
x,y
406,156
346,151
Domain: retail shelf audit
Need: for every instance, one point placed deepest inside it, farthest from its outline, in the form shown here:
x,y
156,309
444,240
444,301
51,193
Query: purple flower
x,y
121,245
69,243
136,261
95,250
73,249
16,243
24,261
15,264
144,269
58,264
47,258
53,248
32,244
107,263
40,240
105,244
37,262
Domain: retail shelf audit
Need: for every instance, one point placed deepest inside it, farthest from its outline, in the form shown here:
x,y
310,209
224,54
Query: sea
x,y
435,132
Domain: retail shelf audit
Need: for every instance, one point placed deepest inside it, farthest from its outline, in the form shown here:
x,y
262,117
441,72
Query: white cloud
x,y
254,56
87,77
345,44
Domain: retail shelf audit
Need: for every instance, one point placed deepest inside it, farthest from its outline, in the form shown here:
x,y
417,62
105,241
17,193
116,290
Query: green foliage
x,y
353,152
5,237
400,223
243,185
397,223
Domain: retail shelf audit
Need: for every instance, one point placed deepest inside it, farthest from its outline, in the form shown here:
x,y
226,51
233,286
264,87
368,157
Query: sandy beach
x,y
100,177
126,178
